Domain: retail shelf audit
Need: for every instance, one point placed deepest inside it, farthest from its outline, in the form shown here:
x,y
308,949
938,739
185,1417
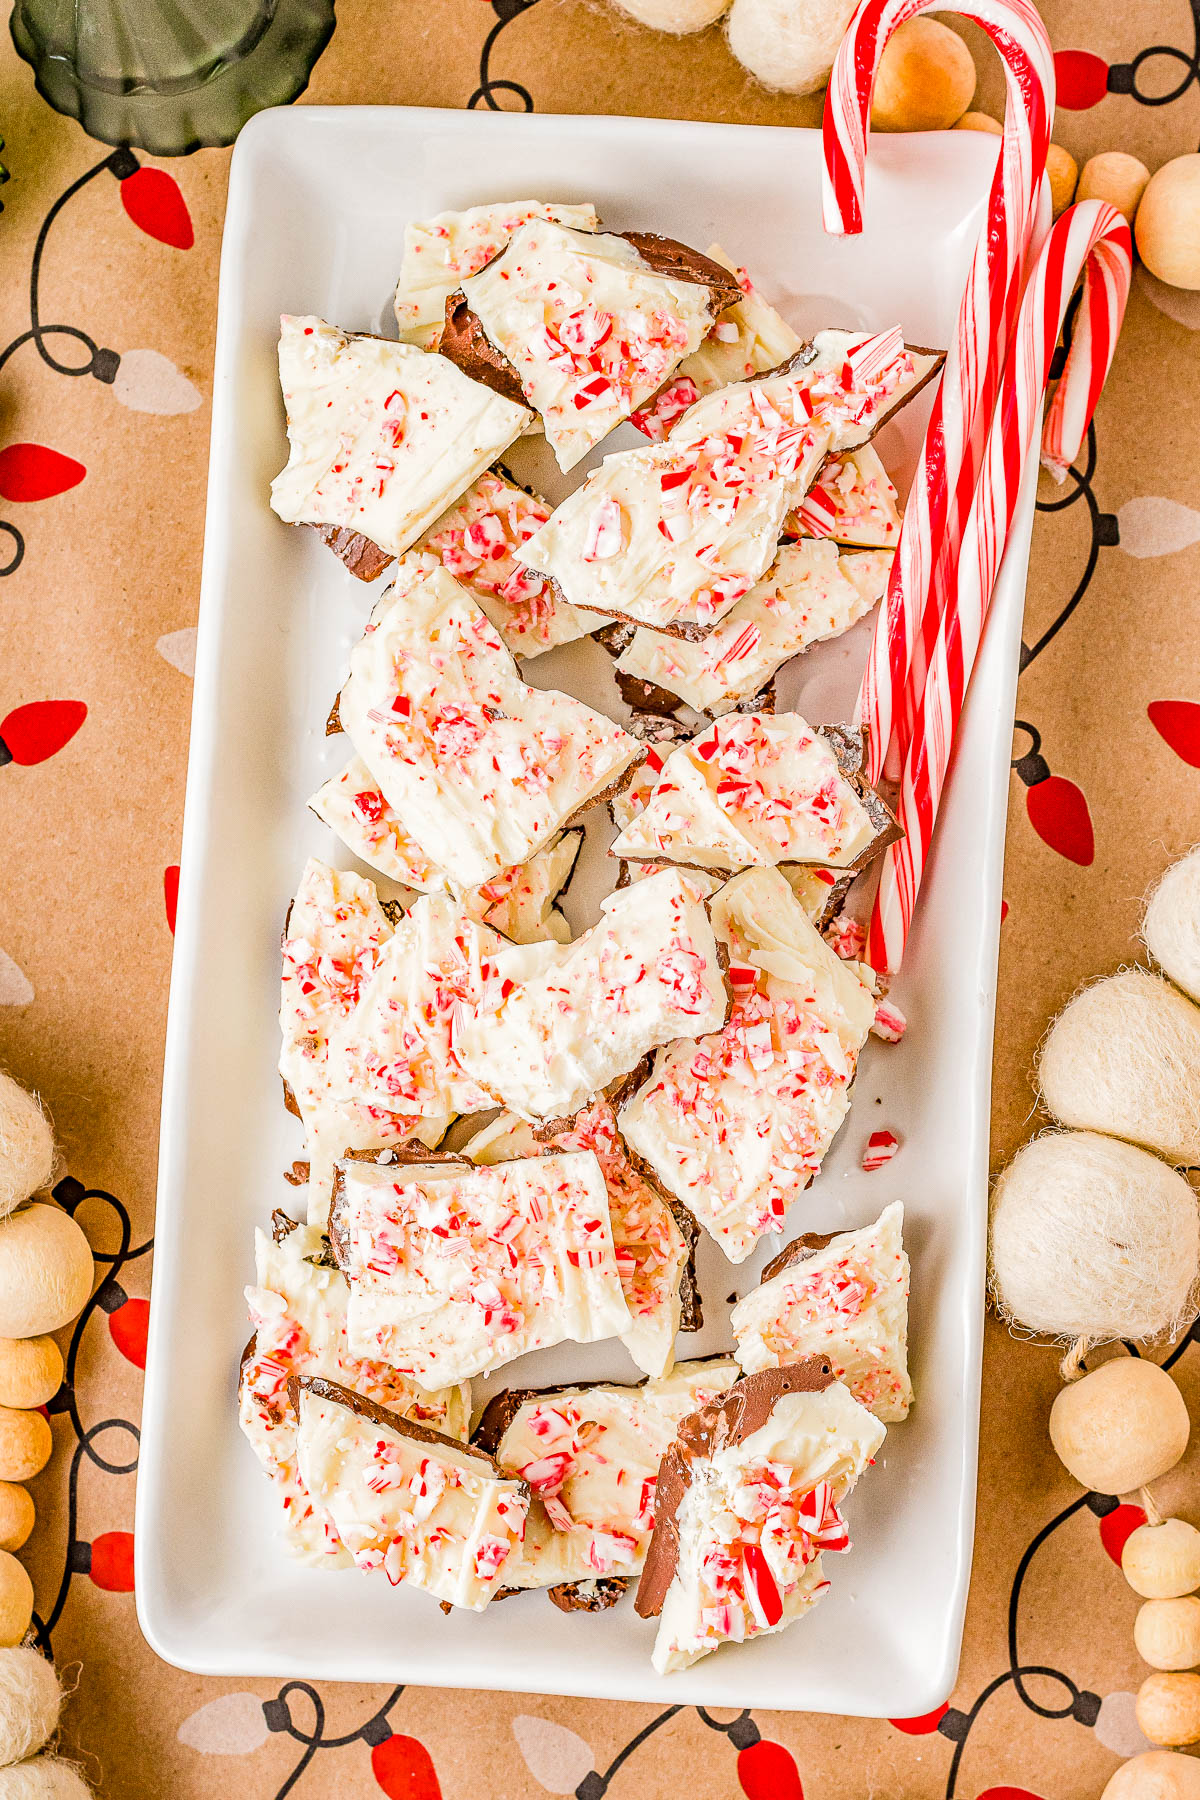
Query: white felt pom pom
x,y
44,1778
1092,1238
30,1699
26,1145
46,1271
674,15
1124,1057
788,44
1171,928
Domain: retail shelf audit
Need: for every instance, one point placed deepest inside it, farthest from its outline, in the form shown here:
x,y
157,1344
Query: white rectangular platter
x,y
317,205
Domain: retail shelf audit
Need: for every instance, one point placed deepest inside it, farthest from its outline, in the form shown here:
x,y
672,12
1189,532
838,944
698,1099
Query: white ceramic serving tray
x,y
318,201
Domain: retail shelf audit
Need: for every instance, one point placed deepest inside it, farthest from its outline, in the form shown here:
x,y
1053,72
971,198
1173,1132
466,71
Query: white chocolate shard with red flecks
x,y
394,1057
754,1521
418,1509
518,902
482,769
439,254
298,1310
735,1124
851,501
748,338
558,1023
844,1297
334,939
752,789
382,437
591,329
673,536
455,1270
475,542
590,1457
811,592
651,1253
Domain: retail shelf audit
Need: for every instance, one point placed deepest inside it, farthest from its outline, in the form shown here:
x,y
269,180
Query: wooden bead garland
x,y
925,80
1120,1427
1162,1562
1166,1633
1167,228
1168,1708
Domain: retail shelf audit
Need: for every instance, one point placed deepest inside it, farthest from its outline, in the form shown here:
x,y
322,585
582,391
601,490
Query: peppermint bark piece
x,y
673,536
851,501
335,934
518,902
422,1508
652,1248
584,326
455,1270
757,789
393,1060
482,769
476,542
439,254
590,1458
810,593
558,1023
746,1503
298,1310
382,437
736,1124
842,1295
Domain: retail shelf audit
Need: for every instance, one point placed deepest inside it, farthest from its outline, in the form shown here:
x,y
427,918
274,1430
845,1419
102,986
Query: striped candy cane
x,y
1091,237
965,400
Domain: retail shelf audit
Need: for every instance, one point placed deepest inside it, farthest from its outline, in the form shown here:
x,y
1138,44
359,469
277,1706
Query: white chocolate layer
x,y
648,1245
590,1457
336,934
298,1310
851,501
751,789
848,1302
424,1513
677,534
591,330
382,437
558,1023
482,769
475,542
755,1522
736,1124
455,1270
750,337
811,592
439,254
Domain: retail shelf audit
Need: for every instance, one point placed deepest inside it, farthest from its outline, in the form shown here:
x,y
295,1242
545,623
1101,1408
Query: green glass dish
x,y
170,76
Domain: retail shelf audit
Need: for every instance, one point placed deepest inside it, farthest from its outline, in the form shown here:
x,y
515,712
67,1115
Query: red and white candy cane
x,y
1093,238
963,407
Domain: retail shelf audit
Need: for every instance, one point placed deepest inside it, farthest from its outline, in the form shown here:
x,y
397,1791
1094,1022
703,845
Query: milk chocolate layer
x,y
360,554
591,1596
322,1389
798,1251
679,262
727,1422
645,696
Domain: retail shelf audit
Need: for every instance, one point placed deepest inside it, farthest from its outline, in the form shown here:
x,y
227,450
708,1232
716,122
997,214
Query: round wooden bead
x,y
46,1271
1116,177
925,80
1156,1775
25,1444
1166,1633
976,121
17,1515
31,1371
1161,1562
1168,1708
16,1601
1167,227
1122,1425
1063,172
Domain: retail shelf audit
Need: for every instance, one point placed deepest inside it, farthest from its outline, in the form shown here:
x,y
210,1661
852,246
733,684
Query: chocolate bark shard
x,y
362,557
730,1421
282,1225
467,344
799,1250
333,722
588,1596
323,1389
645,696
667,256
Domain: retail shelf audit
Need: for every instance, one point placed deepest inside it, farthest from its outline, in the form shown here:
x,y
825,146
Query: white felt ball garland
x,y
1171,927
26,1145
